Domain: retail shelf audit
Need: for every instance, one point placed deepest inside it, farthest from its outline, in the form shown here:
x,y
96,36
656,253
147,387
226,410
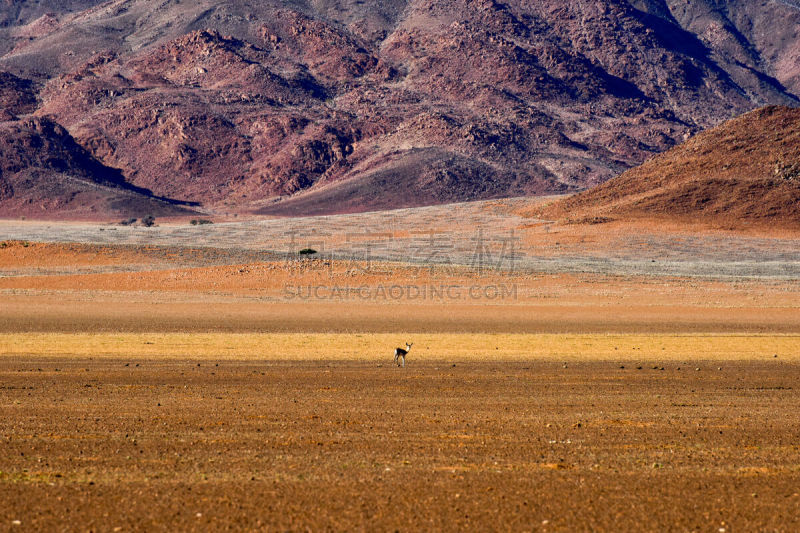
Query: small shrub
x,y
201,222
149,221
307,251
589,220
128,222
787,170
3,244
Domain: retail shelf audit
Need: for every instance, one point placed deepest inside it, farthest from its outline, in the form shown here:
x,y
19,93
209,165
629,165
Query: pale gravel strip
x,y
478,235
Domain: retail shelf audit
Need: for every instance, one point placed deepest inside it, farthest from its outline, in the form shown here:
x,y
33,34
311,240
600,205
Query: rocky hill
x,y
44,172
17,96
302,107
743,173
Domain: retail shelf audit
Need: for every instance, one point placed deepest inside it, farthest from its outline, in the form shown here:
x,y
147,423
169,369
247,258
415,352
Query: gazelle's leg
x,y
404,361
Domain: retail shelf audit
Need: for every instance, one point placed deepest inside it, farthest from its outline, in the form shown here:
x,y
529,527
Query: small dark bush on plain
x,y
201,222
307,251
149,220
128,222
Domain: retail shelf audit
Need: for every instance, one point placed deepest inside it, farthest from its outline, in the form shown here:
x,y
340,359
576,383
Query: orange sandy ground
x,y
318,296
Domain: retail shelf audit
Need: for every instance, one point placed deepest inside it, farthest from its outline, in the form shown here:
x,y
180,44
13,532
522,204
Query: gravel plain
x,y
480,235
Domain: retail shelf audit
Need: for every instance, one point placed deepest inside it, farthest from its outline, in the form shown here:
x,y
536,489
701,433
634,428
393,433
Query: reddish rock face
x,y
17,96
44,172
246,106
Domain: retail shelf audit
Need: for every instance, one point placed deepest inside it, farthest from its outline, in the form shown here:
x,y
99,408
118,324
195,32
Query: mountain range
x,y
329,106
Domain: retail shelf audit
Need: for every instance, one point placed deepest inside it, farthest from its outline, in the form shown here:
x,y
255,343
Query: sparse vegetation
x,y
590,220
128,222
11,244
307,251
786,170
149,221
201,222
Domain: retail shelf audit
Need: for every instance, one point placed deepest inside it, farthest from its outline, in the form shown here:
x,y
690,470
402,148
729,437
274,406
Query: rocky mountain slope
x,y
745,172
44,172
304,107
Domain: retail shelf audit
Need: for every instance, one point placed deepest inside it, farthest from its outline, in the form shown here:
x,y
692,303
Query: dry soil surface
x,y
137,444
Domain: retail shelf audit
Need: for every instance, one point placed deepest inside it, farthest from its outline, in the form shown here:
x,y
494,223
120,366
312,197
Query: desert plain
x,y
563,376
175,355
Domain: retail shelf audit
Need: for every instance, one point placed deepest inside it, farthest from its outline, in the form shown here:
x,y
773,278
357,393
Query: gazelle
x,y
400,355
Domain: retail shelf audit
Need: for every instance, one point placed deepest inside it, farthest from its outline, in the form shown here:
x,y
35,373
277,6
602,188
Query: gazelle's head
x,y
408,346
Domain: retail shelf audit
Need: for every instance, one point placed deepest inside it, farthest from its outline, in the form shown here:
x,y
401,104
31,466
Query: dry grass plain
x,y
377,347
171,387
